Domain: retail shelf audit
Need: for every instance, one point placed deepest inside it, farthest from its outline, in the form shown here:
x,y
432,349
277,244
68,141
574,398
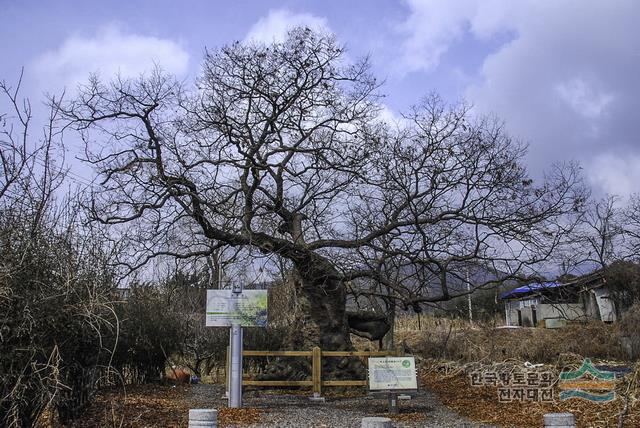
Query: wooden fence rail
x,y
316,355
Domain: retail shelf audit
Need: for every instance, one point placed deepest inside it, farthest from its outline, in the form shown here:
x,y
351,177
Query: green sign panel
x,y
392,373
225,308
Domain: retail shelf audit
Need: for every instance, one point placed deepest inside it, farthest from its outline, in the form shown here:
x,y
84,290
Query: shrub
x,y
149,334
54,306
629,331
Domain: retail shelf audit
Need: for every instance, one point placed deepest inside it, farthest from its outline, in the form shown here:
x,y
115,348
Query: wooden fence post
x,y
317,371
316,355
227,368
399,351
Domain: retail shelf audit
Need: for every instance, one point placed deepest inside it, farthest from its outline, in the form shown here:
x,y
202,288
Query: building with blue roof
x,y
552,304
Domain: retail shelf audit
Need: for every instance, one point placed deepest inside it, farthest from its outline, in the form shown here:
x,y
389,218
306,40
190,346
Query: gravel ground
x,y
292,410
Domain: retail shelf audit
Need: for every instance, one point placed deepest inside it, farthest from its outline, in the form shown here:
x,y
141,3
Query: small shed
x,y
552,304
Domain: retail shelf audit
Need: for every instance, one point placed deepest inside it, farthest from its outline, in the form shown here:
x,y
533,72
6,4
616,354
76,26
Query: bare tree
x,y
280,148
15,150
631,217
28,171
599,238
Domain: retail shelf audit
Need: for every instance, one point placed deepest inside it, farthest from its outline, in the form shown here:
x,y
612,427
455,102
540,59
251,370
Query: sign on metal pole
x,y
236,308
392,373
247,308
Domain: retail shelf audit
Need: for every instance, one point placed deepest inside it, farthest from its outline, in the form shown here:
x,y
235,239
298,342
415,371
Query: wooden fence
x,y
316,355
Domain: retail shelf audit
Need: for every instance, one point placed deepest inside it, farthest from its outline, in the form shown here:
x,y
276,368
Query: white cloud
x,y
565,80
274,26
564,83
390,116
432,26
493,16
583,98
615,174
108,52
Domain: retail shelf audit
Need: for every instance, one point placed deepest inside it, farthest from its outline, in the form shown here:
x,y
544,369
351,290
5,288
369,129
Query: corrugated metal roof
x,y
530,288
588,281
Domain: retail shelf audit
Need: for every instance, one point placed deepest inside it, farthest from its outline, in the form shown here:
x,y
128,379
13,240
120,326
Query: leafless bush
x,y
149,334
56,316
55,309
201,348
629,332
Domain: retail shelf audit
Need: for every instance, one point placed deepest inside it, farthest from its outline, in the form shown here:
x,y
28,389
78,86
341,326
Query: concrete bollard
x,y
559,420
203,418
376,422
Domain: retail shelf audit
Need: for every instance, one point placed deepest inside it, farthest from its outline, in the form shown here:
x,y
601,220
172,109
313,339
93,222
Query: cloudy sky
x,y
564,75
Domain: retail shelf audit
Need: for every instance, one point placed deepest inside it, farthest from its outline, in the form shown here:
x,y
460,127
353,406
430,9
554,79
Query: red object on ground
x,y
178,375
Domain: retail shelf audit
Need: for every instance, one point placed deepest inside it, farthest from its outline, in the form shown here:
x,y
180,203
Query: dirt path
x,y
279,409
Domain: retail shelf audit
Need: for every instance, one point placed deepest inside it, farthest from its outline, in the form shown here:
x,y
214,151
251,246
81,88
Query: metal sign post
x,y
393,376
235,386
235,341
235,308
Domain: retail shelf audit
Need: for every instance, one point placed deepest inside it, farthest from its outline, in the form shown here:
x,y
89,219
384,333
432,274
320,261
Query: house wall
x,y
511,312
567,311
605,304
513,317
527,316
599,305
590,305
525,307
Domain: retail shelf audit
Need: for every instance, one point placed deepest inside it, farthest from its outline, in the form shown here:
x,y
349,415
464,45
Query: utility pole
x,y
469,294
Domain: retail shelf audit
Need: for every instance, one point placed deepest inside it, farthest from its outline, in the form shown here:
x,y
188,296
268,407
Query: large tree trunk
x,y
388,341
314,299
324,320
320,319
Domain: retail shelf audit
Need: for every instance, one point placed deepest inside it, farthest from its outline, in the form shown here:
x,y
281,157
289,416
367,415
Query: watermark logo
x,y
587,383
517,385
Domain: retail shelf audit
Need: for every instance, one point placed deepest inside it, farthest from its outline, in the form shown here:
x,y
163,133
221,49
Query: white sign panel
x,y
225,308
392,373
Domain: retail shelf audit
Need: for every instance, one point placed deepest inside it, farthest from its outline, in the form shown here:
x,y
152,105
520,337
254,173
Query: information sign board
x,y
247,308
392,373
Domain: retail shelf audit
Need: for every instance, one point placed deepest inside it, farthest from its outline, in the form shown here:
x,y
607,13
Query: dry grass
x,y
458,340
428,323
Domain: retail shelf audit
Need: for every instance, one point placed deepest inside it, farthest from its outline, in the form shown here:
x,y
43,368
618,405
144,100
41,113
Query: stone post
x,y
203,418
559,420
376,422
